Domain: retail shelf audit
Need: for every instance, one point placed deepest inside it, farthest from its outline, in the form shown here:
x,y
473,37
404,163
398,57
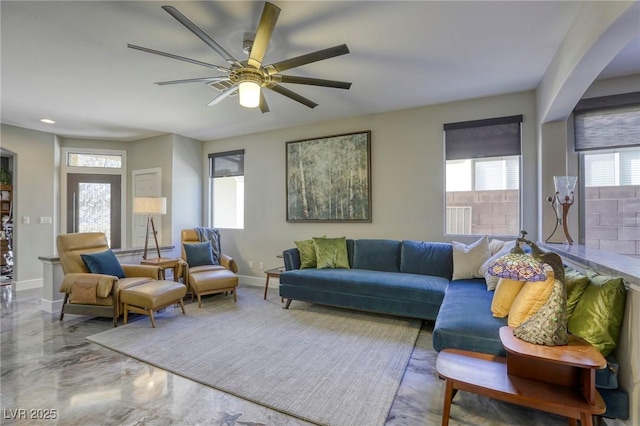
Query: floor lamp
x,y
150,206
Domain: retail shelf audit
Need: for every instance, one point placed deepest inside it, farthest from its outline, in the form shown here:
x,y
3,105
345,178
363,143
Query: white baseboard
x,y
51,306
29,284
257,281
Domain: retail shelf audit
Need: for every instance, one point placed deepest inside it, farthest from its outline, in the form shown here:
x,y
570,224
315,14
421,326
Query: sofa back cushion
x,y
377,255
427,258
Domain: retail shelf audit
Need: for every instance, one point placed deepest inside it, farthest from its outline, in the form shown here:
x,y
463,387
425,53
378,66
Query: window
x,y
482,179
226,169
83,159
607,136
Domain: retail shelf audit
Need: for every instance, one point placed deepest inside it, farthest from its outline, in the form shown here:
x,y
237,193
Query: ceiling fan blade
x,y
310,81
292,95
263,34
223,95
180,58
307,59
193,80
264,107
201,34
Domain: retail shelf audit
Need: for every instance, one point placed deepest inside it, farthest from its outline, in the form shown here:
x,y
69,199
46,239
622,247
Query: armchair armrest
x,y
183,270
229,263
103,283
149,271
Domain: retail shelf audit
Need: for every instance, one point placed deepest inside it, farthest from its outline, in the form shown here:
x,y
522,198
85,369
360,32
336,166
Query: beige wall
x,y
407,177
36,194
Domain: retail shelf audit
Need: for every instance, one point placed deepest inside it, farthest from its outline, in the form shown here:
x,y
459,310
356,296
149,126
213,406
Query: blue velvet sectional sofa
x,y
412,279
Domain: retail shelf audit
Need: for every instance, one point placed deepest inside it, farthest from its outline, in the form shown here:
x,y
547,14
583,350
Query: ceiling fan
x,y
248,77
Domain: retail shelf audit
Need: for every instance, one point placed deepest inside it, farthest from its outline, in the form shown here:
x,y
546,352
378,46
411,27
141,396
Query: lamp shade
x,y
249,94
564,186
518,267
150,205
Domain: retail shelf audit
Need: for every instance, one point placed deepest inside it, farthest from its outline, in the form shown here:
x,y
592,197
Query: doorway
x,y
94,205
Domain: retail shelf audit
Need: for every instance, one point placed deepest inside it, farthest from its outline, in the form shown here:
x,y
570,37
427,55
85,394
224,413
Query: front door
x,y
93,205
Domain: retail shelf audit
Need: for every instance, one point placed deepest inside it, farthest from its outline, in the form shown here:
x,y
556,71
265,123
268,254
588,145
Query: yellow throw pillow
x,y
530,299
506,292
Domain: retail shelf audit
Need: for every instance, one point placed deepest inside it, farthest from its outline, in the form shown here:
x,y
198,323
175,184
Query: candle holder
x,y
561,202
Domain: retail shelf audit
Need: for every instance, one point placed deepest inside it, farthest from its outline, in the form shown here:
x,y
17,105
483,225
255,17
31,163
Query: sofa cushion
x,y
307,254
390,285
199,254
530,299
492,280
464,321
576,284
331,252
103,262
506,292
377,255
426,258
468,258
599,313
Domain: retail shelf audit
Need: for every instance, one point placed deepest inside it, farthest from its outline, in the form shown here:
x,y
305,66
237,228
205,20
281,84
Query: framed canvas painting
x,y
329,178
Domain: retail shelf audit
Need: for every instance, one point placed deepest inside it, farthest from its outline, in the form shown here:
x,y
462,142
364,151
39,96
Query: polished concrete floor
x,y
50,374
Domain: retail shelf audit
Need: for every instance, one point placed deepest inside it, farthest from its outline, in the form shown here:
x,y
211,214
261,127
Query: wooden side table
x,y
275,273
556,379
164,263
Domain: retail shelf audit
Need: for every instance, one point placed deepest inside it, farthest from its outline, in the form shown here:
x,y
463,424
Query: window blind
x,y
494,137
607,122
226,164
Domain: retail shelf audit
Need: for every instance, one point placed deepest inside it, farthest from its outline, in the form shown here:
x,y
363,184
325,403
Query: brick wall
x,y
493,212
612,219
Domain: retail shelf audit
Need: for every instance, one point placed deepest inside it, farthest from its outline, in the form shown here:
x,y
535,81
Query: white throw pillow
x,y
495,246
491,280
467,259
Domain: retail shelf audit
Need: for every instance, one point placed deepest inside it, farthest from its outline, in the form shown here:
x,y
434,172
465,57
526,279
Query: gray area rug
x,y
324,365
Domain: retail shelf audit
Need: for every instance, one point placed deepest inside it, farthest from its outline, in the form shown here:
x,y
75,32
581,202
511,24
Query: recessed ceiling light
x,y
47,120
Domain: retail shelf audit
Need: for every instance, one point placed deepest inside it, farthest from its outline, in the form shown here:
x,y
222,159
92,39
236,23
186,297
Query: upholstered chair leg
x,y
199,301
153,322
126,313
182,307
66,299
235,296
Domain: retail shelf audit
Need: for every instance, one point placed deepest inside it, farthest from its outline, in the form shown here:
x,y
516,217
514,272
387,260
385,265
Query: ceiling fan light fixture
x,y
249,94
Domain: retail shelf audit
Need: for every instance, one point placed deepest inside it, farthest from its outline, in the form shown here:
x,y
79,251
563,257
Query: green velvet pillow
x,y
331,252
307,254
598,316
576,285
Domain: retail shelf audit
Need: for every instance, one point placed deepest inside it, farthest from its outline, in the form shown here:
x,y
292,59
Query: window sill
x,y
602,261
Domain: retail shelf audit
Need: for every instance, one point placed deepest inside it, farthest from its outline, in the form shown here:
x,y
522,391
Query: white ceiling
x,y
68,61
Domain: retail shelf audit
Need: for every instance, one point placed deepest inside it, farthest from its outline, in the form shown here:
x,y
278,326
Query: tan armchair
x,y
86,293
207,279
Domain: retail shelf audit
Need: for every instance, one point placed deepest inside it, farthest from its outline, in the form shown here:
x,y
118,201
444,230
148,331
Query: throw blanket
x,y
213,235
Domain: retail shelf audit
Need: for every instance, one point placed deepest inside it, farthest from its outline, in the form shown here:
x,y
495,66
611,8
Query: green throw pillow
x,y
331,252
307,254
576,285
598,316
